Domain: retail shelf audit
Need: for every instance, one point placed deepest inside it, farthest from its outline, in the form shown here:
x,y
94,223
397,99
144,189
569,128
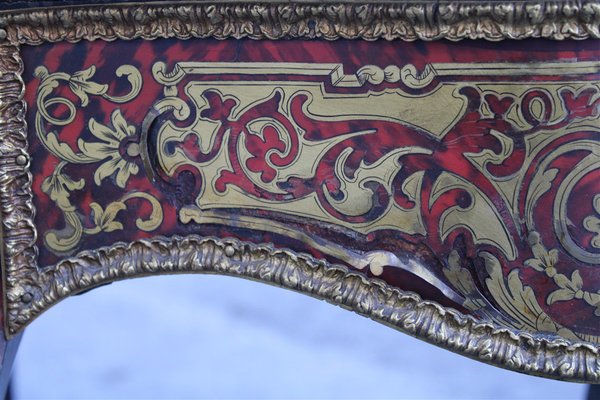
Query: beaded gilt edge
x,y
24,283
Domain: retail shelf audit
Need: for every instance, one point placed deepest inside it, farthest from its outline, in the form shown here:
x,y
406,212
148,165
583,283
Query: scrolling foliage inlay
x,y
275,148
474,184
114,149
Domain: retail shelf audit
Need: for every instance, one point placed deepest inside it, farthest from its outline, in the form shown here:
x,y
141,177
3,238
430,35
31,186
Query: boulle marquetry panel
x,y
448,189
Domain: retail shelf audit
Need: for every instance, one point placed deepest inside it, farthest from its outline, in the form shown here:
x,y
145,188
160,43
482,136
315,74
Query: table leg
x,y
8,352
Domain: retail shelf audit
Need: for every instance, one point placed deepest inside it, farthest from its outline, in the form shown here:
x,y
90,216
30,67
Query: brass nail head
x,y
26,298
21,159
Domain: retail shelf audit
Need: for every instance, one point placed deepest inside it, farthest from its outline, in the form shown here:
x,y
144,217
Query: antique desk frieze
x,y
449,189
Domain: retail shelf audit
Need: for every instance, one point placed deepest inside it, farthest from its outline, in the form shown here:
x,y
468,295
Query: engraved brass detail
x,y
482,218
434,112
116,143
105,151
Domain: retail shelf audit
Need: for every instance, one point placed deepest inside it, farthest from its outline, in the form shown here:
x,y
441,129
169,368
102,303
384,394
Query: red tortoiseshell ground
x,y
470,134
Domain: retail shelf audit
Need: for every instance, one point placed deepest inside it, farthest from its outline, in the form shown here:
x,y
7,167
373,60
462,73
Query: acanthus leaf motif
x,y
81,85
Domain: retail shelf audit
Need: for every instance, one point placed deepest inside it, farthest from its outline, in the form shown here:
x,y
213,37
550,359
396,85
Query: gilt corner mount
x,y
427,170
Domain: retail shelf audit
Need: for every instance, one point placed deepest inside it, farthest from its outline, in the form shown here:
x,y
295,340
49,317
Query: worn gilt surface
x,y
407,20
466,173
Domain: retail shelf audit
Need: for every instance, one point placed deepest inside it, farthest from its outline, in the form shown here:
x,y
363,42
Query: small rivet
x,y
21,159
26,298
133,150
2,34
229,251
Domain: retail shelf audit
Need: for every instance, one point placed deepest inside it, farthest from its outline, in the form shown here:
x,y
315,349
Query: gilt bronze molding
x,y
406,20
370,297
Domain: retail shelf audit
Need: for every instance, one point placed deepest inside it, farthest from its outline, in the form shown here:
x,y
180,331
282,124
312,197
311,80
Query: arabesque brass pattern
x,y
104,151
518,304
444,105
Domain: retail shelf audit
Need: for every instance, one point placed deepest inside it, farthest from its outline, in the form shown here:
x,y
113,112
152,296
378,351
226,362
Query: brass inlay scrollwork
x,y
592,223
568,287
106,150
516,303
117,152
435,112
